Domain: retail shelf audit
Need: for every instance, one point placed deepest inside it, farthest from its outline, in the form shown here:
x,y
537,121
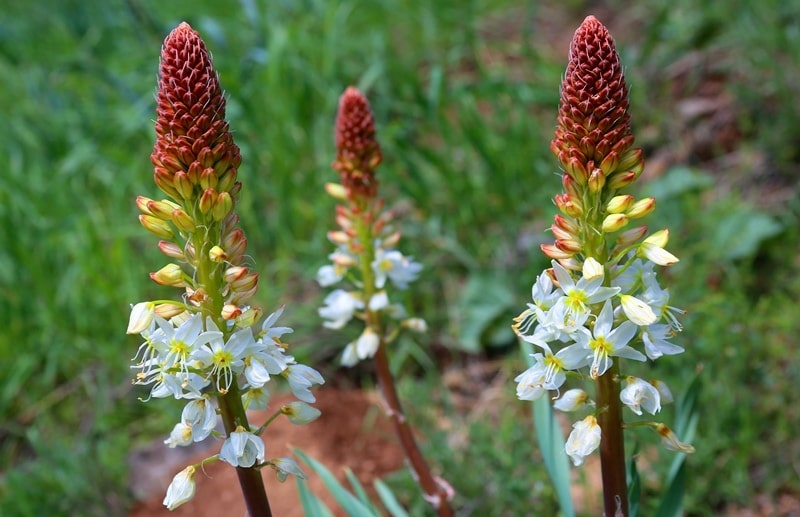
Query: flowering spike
x,y
358,152
191,129
593,119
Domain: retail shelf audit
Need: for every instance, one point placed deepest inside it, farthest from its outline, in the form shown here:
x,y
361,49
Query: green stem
x,y
250,481
612,446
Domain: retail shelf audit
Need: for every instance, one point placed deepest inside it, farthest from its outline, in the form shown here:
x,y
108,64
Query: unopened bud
x,y
391,241
592,269
336,191
168,310
208,178
183,185
568,245
234,273
207,200
610,163
338,237
628,237
217,254
576,170
614,222
554,253
141,204
162,209
568,205
597,180
620,204
230,312
630,159
171,249
183,220
621,180
222,207
156,226
170,275
141,317
642,207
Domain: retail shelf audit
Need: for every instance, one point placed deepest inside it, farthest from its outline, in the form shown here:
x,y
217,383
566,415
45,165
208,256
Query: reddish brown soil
x,y
352,432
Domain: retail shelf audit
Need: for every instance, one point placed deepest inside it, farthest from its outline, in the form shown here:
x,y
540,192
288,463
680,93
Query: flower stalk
x,y
366,254
203,348
601,295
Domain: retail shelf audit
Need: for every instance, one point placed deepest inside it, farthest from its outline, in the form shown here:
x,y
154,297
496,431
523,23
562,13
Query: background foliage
x,y
465,94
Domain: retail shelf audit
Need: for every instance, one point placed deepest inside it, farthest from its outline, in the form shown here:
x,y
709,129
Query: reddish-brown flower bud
x,y
193,137
593,123
357,150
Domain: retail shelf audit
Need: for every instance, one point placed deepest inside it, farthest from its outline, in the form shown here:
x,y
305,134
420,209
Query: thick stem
x,y
612,446
250,481
434,491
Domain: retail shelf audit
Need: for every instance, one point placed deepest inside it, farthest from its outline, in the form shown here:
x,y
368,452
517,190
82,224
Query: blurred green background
x,y
465,94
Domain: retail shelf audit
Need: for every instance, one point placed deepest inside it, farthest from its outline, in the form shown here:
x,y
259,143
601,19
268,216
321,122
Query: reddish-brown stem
x,y
612,446
429,485
250,481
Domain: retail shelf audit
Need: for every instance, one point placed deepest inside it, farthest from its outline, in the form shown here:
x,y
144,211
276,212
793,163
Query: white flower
x,y
653,249
225,358
340,306
583,440
637,311
242,449
415,325
572,400
141,317
664,391
367,344
579,296
544,297
285,467
300,413
200,416
392,264
548,372
604,343
656,344
379,301
256,399
181,436
181,489
329,274
639,394
301,378
269,331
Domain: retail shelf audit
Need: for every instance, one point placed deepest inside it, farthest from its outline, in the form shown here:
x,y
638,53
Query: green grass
x,y
465,95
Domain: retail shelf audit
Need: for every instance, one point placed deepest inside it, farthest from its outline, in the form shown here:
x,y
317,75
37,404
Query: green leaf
x,y
551,443
634,484
485,299
312,506
357,487
388,499
740,232
349,503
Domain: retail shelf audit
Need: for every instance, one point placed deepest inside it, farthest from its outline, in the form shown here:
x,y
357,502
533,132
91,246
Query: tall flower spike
x,y
593,139
194,148
357,150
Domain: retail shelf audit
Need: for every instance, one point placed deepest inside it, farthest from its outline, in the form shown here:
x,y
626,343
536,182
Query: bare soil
x,y
352,432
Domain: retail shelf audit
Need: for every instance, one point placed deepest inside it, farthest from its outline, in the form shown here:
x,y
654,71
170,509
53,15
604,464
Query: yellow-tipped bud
x,y
222,207
568,245
554,253
336,191
169,310
183,185
620,204
597,180
207,201
141,204
170,275
642,207
614,222
183,221
162,209
157,226
621,180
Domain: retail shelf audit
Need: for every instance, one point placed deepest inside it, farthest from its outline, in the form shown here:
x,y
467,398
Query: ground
x,y
352,432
